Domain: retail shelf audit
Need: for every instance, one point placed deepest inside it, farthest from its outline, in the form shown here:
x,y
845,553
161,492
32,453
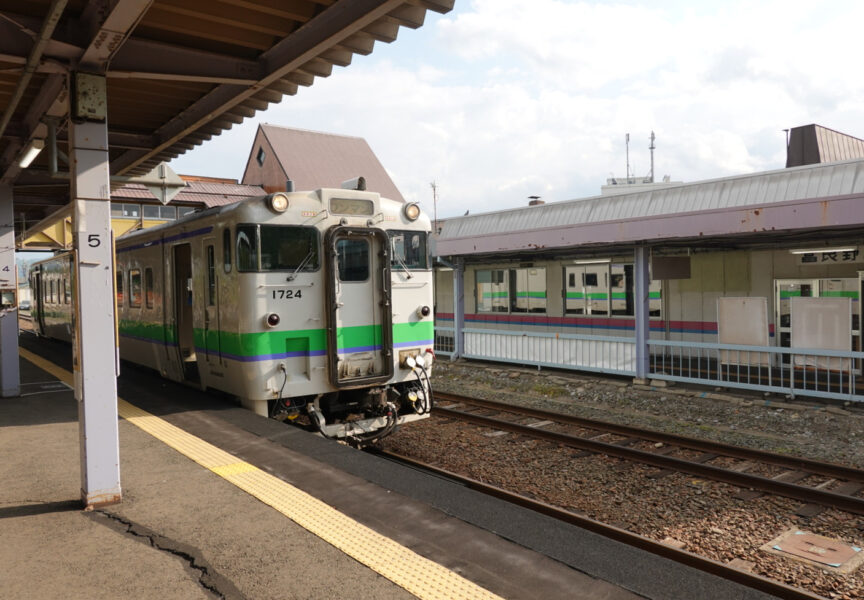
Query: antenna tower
x,y
627,150
434,207
651,148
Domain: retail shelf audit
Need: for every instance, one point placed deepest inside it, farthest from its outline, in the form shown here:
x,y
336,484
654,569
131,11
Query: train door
x,y
183,313
212,336
358,290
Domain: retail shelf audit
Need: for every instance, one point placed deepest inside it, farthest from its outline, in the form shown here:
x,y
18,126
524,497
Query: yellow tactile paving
x,y
407,569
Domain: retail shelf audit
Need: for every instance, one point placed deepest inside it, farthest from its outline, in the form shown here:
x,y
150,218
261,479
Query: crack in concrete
x,y
210,579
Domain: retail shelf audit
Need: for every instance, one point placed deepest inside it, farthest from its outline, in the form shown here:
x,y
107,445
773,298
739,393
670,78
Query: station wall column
x,y
458,309
10,379
642,310
94,348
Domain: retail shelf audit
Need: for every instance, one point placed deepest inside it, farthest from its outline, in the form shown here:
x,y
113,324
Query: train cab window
x,y
211,275
120,295
135,288
226,250
247,248
353,259
148,287
409,249
289,248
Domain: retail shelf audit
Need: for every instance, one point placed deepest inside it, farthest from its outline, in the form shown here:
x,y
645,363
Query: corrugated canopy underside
x,y
178,71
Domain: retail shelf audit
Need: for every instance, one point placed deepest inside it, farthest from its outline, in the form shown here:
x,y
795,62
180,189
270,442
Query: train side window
x,y
247,248
120,288
148,287
51,292
211,275
135,288
226,250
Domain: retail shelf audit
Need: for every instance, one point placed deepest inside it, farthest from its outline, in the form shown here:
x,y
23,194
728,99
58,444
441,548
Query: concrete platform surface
x,y
184,532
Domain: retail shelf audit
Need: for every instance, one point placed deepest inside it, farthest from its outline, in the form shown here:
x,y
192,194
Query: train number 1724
x,y
287,294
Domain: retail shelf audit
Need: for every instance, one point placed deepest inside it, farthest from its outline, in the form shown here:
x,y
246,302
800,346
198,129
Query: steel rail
x,y
707,565
843,502
789,462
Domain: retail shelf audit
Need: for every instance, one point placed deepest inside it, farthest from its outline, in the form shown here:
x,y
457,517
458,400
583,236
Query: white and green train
x,y
302,301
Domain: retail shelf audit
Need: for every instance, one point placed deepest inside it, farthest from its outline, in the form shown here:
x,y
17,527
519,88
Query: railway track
x,y
751,580
846,481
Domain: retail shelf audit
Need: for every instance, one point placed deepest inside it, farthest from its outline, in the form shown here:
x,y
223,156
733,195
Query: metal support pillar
x,y
10,379
94,349
458,309
642,309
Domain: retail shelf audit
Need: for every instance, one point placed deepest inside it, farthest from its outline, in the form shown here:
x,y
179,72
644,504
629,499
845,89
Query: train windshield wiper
x,y
398,258
302,264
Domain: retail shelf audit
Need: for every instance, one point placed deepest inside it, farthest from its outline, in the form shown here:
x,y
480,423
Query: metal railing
x,y
562,351
794,371
445,340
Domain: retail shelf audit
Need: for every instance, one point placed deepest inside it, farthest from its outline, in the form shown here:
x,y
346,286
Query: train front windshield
x,y
409,249
277,248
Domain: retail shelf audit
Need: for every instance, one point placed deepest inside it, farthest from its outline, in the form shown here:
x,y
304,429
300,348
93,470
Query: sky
x,y
500,100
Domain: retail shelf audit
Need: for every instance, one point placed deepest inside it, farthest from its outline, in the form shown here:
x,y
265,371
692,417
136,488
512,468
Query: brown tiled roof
x,y
313,160
207,193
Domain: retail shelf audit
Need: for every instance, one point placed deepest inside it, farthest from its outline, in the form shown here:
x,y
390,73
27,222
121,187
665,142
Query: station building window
x,y
511,290
529,290
157,212
260,156
492,290
605,288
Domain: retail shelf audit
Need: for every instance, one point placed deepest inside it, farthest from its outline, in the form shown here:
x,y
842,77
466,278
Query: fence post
x,y
642,310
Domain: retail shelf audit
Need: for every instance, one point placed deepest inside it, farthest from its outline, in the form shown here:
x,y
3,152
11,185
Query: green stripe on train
x,y
275,342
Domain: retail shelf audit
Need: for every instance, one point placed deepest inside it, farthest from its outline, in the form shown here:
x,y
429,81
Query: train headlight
x,y
278,202
273,320
412,211
423,311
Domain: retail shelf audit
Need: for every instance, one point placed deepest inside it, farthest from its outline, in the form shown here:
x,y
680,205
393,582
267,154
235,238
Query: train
x,y
296,302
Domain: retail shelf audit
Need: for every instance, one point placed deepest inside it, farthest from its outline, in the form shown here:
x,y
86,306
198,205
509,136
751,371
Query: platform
x,y
240,506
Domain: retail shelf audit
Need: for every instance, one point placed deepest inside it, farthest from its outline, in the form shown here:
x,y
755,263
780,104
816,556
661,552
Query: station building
x,y
750,281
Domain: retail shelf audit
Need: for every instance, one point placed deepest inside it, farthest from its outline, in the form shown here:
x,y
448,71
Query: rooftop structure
x,y
822,197
312,160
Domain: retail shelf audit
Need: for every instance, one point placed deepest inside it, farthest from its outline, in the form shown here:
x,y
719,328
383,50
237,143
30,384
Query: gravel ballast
x,y
702,516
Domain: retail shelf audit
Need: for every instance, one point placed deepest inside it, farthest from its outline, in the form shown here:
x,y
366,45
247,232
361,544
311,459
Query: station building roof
x,y
206,192
177,71
313,160
822,201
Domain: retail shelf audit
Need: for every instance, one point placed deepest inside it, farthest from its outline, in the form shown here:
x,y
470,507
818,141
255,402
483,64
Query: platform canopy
x,y
178,72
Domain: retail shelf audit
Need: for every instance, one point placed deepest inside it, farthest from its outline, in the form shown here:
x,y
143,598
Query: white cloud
x,y
503,99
